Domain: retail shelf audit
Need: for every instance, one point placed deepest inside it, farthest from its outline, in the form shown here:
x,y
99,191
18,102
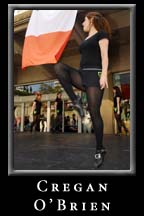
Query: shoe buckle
x,y
97,156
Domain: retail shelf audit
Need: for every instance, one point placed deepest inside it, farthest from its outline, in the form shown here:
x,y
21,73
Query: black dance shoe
x,y
98,160
118,134
103,150
99,157
78,107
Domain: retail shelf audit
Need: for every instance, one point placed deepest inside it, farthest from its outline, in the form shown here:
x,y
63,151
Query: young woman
x,y
36,110
92,75
17,114
58,110
118,110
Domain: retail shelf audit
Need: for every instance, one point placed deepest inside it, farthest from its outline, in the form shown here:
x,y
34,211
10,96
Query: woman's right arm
x,y
56,108
55,105
104,43
33,107
118,105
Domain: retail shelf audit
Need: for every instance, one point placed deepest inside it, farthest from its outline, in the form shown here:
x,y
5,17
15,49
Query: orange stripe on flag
x,y
47,34
46,48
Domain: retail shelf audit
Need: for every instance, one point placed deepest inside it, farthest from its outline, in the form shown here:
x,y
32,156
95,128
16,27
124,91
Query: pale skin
x,y
118,102
118,105
104,43
33,107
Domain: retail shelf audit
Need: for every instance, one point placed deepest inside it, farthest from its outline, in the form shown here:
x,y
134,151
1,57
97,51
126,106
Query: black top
x,y
90,51
38,107
115,102
59,105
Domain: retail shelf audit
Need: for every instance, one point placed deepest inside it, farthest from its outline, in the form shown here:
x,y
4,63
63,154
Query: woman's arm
x,y
33,107
118,105
55,105
104,43
15,113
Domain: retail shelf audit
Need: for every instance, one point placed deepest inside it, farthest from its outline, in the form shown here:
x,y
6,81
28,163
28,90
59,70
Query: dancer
x,y
118,110
91,77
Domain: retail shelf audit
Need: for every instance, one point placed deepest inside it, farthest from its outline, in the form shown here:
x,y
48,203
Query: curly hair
x,y
118,91
99,22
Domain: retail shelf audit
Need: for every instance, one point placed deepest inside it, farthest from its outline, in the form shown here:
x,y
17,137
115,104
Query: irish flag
x,y
47,34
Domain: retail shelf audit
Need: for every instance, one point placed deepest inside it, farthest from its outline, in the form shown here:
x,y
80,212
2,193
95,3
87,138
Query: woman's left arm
x,y
104,43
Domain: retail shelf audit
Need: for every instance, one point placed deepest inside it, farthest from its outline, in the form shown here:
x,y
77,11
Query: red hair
x,y
99,22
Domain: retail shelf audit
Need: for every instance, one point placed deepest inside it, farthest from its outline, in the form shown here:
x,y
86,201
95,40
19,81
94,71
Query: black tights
x,y
120,123
69,77
36,122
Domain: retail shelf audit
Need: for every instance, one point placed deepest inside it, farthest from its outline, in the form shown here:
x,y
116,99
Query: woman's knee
x,y
94,111
58,67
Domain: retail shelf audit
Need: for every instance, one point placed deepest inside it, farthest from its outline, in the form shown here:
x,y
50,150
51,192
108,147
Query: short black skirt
x,y
90,77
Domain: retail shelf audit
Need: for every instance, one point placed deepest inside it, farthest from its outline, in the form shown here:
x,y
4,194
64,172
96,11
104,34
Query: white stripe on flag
x,y
47,35
45,21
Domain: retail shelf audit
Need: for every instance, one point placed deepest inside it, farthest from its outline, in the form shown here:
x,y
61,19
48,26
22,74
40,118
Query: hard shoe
x,y
99,158
118,134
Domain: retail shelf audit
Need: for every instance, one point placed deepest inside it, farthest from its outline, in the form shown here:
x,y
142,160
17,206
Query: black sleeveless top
x,y
90,51
115,102
59,104
38,107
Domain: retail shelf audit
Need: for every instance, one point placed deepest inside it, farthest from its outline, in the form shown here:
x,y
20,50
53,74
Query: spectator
x,y
36,111
117,97
17,114
58,111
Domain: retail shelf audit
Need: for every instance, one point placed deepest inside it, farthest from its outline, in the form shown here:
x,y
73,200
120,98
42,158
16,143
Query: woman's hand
x,y
118,112
103,81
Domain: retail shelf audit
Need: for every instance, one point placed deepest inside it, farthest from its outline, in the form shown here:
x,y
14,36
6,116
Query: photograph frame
x,y
132,171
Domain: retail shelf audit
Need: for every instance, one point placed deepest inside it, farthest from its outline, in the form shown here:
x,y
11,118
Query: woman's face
x,y
114,91
86,25
39,96
59,95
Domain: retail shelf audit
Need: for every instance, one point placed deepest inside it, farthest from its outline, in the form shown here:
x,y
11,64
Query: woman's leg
x,y
124,126
37,123
69,77
94,97
33,123
118,120
120,124
18,120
